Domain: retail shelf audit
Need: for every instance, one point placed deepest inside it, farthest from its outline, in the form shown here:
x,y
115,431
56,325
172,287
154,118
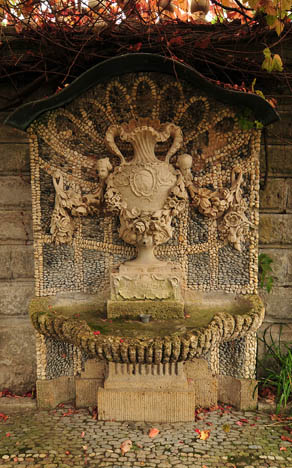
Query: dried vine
x,y
57,45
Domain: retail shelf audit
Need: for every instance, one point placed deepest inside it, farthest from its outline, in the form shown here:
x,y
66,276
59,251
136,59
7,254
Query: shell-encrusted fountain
x,y
145,195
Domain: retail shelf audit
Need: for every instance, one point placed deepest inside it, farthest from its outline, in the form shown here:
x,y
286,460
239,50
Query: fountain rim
x,y
189,345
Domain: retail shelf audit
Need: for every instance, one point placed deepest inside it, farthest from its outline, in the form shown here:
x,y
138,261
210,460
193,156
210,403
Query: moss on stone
x,y
122,340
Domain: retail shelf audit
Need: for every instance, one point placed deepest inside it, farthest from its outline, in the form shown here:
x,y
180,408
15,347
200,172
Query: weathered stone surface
x,y
156,309
278,304
275,229
274,197
52,392
15,191
16,261
204,384
16,225
281,131
279,157
281,266
12,135
14,158
15,297
15,405
136,377
17,354
154,406
240,393
94,369
86,392
289,194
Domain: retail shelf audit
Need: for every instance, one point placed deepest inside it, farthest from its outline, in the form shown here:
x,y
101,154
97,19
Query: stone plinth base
x,y
157,309
241,393
146,289
138,405
52,392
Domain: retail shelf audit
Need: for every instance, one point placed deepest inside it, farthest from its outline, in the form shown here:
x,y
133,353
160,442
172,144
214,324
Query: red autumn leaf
x,y
283,448
198,431
209,424
202,44
243,420
8,434
82,434
96,332
3,416
176,41
121,340
288,439
239,423
67,452
153,432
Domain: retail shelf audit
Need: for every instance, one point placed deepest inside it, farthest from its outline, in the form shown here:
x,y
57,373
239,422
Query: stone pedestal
x,y
146,289
142,392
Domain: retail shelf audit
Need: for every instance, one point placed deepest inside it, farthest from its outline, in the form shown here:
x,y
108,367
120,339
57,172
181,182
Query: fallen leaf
x,y
239,423
67,452
8,434
3,416
204,435
209,423
96,332
126,446
243,420
283,448
82,434
226,428
288,439
153,432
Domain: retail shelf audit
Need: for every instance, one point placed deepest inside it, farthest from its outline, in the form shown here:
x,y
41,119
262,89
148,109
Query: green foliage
x,y
271,62
277,366
265,279
246,121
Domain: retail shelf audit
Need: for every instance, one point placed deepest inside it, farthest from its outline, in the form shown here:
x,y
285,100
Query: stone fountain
x,y
145,204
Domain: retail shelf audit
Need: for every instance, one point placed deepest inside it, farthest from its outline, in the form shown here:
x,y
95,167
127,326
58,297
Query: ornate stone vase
x,y
146,192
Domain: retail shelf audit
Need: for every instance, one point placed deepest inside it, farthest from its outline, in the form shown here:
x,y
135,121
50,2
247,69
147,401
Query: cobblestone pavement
x,y
64,438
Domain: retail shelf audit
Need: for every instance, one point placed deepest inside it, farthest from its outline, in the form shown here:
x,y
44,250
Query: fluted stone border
x,y
171,348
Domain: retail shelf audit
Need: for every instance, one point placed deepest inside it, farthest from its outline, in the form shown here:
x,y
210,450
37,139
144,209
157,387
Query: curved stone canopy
x,y
23,116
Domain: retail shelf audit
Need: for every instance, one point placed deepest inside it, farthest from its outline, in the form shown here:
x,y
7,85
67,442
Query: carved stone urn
x,y
147,193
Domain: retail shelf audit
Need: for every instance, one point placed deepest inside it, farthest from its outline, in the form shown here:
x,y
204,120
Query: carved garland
x,y
227,206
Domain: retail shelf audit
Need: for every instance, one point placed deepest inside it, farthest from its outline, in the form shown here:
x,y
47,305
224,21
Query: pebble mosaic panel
x,y
71,139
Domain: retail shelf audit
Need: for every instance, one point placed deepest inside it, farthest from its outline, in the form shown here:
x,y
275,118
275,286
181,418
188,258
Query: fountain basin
x,y
210,319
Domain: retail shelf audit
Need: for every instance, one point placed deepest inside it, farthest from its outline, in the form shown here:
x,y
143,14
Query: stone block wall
x,y
17,347
276,219
17,339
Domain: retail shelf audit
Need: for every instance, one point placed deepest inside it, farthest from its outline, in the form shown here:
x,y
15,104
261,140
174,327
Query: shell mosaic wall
x,y
214,240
